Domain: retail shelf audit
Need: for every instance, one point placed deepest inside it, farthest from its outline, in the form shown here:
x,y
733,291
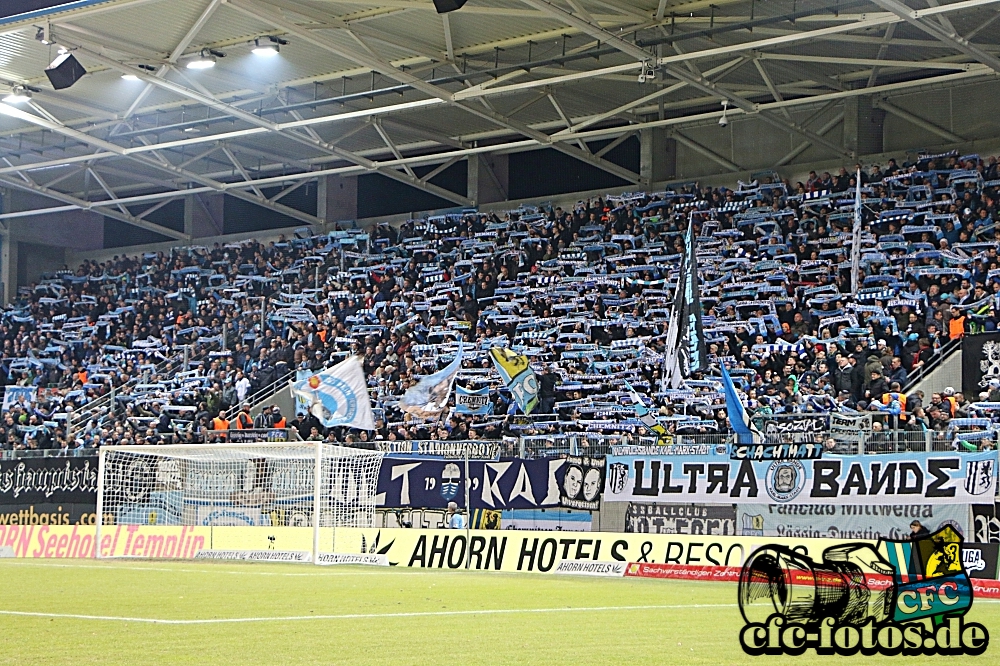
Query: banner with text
x,y
715,519
30,481
506,484
543,551
924,478
849,521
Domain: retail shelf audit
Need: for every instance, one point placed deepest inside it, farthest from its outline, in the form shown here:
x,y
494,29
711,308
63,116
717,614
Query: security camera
x,y
723,121
647,73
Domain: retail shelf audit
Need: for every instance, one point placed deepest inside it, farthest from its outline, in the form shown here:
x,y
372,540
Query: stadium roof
x,y
363,86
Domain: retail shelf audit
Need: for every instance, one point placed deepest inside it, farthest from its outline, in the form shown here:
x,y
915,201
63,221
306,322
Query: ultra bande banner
x,y
925,478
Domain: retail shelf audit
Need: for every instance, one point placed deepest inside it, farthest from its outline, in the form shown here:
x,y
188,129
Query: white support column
x,y
657,155
340,199
189,204
472,182
9,251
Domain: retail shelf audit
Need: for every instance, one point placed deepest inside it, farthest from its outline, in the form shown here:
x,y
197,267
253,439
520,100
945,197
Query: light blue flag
x,y
430,395
338,396
469,401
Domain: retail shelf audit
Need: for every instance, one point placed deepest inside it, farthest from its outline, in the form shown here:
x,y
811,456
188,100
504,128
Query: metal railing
x,y
263,394
18,454
262,435
99,408
937,360
872,442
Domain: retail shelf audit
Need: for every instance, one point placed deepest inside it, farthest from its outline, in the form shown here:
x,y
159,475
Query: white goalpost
x,y
267,484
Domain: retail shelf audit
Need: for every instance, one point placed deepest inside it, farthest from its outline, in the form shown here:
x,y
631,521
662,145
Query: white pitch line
x,y
360,616
210,570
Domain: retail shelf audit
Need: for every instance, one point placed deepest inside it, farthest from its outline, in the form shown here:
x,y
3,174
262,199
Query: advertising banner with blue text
x,y
919,478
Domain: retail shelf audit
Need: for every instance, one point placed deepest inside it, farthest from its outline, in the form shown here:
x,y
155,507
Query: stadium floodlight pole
x,y
856,236
99,518
317,501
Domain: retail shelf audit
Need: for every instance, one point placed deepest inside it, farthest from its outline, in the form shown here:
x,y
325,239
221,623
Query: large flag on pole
x,y
856,237
685,352
739,420
695,355
518,376
338,396
428,397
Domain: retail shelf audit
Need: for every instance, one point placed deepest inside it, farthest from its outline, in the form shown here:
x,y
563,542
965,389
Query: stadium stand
x,y
152,348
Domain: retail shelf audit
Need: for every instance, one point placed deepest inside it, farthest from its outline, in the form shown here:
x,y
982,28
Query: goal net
x,y
279,484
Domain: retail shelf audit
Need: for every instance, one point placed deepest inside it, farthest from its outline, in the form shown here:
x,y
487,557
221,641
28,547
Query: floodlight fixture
x,y
206,59
267,46
17,95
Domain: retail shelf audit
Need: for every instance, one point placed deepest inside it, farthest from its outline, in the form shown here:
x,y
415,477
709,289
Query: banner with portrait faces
x,y
583,481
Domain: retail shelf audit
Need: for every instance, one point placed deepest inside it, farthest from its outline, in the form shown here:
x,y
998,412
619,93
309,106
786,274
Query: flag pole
x,y
856,236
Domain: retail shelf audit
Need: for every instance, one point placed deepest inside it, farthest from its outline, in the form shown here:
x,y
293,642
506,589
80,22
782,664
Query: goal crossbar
x,y
267,484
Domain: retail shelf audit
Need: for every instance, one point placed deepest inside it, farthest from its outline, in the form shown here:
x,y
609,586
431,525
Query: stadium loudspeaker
x,y
64,71
444,6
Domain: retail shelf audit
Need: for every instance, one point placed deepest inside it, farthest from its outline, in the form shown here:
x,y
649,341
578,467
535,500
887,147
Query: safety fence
x,y
833,442
589,444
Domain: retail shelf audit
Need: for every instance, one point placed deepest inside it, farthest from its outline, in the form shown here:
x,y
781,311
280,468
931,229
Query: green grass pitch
x,y
87,612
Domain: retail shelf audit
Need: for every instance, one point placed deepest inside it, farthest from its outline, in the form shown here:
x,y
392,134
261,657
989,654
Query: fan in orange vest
x,y
243,420
956,325
220,422
949,397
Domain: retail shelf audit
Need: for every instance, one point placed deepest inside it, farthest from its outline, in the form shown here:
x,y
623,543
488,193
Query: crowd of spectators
x,y
167,346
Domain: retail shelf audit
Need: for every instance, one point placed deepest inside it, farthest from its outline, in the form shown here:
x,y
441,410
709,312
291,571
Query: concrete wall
x,y
947,374
35,260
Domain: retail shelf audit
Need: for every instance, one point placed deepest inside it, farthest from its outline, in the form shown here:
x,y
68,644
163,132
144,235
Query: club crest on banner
x,y
451,476
785,480
617,477
979,476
